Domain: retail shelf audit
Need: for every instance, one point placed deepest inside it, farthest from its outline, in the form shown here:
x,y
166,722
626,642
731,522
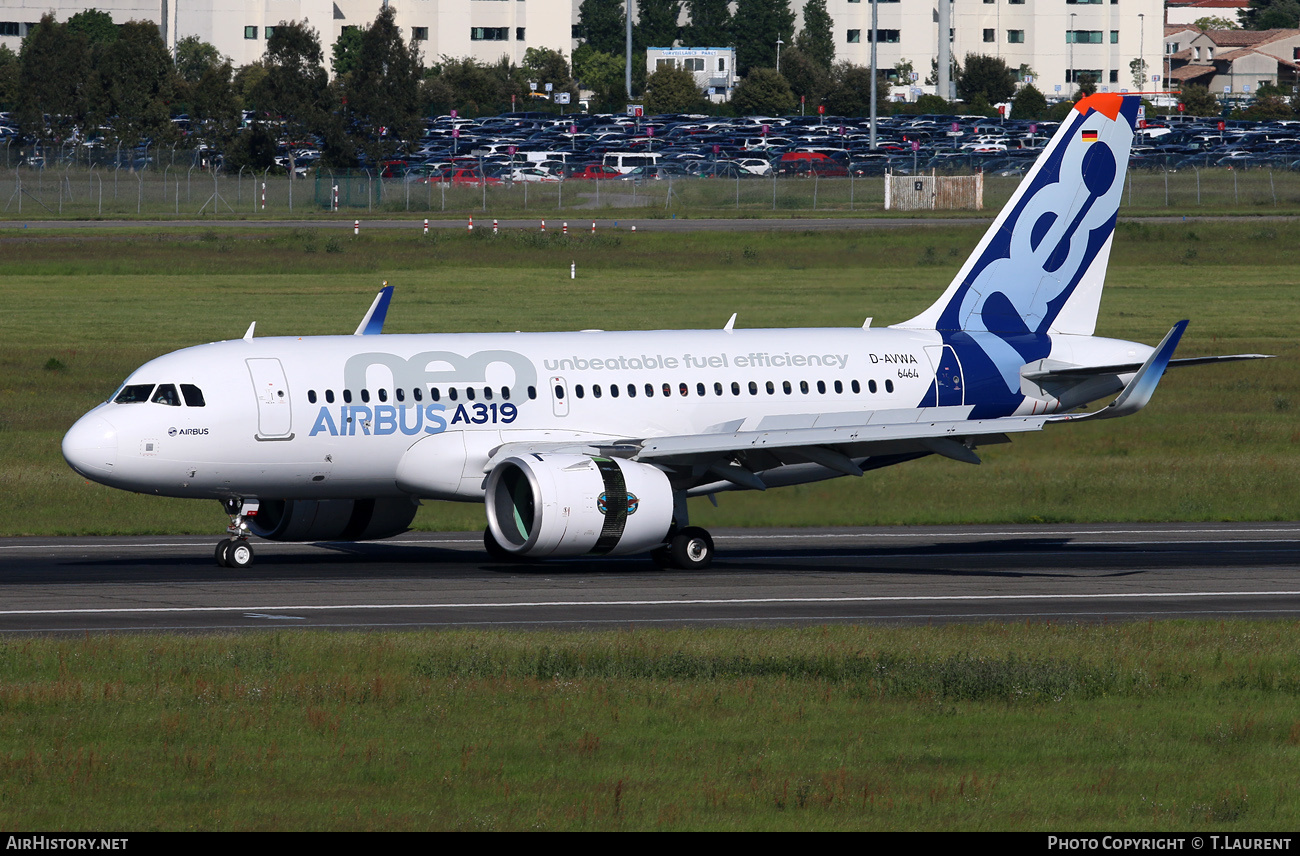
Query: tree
x,y
295,88
603,74
138,79
1029,103
1268,107
987,76
602,24
195,58
1197,101
763,92
1215,22
815,39
96,26
1087,84
54,67
710,26
10,68
215,105
807,78
656,25
1270,14
383,91
673,90
756,26
850,93
1138,68
345,50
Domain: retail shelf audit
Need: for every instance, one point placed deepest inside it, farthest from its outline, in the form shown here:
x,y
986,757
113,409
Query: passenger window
x,y
735,388
595,390
532,393
649,390
417,394
435,394
613,390
383,395
857,387
329,396
821,387
469,393
839,387
668,391
487,393
451,393
803,387
889,386
365,396
753,388
559,391
347,396
505,393
166,394
717,388
134,393
785,387
631,390
578,390
400,394
699,389
193,395
311,396
771,388
683,388
871,385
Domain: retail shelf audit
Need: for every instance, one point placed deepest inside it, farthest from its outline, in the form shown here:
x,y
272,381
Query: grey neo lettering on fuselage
x,y
438,367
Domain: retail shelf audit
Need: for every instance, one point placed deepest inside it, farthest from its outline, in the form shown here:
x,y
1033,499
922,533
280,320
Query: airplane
x,y
589,443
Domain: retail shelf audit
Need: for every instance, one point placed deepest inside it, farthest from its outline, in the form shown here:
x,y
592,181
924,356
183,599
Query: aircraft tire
x,y
240,554
691,549
222,553
495,551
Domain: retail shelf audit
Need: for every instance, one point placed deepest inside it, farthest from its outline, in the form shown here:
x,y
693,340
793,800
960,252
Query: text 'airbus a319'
x,y
589,443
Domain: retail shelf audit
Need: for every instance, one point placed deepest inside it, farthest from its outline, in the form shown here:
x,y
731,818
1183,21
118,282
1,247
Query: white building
x,y
483,29
714,68
1057,39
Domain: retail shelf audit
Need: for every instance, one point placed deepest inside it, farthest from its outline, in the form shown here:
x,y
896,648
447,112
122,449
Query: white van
x,y
625,162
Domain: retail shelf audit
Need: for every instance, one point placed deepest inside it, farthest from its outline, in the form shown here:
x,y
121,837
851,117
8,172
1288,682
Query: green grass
x,y
1152,727
1217,443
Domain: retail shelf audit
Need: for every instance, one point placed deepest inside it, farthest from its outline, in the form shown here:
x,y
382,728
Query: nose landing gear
x,y
235,551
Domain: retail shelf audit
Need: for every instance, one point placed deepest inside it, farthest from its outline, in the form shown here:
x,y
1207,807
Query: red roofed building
x,y
1232,62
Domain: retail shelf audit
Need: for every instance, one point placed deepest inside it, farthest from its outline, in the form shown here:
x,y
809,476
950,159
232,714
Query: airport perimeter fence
x,y
192,190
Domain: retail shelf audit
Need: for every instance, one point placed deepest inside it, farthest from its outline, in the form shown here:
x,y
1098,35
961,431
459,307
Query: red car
x,y
595,170
461,177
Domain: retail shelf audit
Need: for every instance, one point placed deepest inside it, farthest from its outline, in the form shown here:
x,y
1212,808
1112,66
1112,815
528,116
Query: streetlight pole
x,y
1142,54
874,85
778,53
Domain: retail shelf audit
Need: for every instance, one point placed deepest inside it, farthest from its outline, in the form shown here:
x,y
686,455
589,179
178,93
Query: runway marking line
x,y
684,602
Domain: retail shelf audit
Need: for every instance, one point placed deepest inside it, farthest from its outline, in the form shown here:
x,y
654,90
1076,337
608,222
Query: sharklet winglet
x,y
373,323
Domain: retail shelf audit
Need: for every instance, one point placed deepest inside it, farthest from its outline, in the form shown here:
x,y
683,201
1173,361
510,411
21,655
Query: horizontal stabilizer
x,y
1143,385
1129,368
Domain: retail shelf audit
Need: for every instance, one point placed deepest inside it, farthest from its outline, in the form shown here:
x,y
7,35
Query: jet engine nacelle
x,y
575,505
331,519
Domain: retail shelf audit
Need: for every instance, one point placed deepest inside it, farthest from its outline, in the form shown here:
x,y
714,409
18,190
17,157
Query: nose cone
x,y
90,447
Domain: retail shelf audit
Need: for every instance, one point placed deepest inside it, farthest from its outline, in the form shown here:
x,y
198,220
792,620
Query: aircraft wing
x,y
844,442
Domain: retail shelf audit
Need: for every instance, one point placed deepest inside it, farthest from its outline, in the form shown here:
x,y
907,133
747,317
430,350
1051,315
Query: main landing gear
x,y
235,551
689,549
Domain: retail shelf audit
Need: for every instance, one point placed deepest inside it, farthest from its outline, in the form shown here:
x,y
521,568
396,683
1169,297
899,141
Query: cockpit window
x,y
133,393
166,394
194,395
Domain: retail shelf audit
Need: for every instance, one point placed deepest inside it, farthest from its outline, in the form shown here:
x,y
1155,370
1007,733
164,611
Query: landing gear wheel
x,y
239,554
222,554
691,549
495,551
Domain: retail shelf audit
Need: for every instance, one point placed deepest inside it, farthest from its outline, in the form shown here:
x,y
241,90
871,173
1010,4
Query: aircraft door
x,y
950,391
274,411
559,396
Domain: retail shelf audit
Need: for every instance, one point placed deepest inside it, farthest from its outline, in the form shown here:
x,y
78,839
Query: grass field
x,y
1218,443
1148,727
